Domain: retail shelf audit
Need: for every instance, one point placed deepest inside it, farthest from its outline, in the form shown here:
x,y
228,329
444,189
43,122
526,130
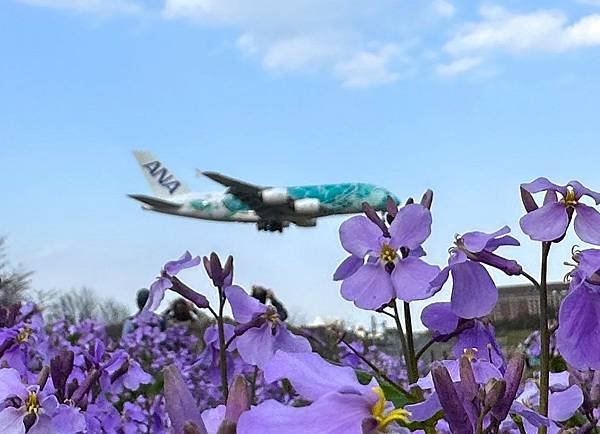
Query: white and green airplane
x,y
271,208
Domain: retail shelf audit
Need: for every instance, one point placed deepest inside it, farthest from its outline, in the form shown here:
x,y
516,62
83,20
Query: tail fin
x,y
162,181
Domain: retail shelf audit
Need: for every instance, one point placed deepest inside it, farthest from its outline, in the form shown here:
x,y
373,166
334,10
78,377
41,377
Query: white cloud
x,y
296,53
126,7
443,8
368,68
589,2
356,45
539,31
458,66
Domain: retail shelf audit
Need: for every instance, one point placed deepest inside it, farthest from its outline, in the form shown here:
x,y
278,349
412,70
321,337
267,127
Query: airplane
x,y
270,208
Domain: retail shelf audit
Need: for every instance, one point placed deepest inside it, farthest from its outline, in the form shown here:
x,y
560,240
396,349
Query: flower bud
x,y
494,391
528,200
455,413
427,199
467,379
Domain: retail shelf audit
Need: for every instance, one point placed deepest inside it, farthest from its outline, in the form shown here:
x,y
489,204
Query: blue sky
x,y
467,98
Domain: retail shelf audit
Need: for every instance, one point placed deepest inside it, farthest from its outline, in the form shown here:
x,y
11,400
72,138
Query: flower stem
x,y
222,346
531,279
479,427
544,334
410,345
253,385
403,342
378,372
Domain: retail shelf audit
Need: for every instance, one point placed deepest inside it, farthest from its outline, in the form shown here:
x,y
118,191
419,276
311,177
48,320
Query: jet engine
x,y
307,206
275,196
308,223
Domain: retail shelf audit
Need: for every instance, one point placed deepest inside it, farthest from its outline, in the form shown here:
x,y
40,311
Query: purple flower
x,y
387,272
578,334
121,371
563,402
472,334
466,389
550,222
340,404
474,293
33,407
209,358
260,331
483,372
167,280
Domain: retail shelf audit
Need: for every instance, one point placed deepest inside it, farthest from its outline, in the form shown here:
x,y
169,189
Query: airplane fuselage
x,y
329,199
271,208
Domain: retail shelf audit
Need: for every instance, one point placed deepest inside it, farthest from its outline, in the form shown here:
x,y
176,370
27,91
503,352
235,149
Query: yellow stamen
x,y
388,254
470,353
24,334
384,419
32,404
273,317
570,199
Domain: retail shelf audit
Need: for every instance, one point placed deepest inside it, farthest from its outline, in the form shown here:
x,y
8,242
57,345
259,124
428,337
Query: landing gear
x,y
270,225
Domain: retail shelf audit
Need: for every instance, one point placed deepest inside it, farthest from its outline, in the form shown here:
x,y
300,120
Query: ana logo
x,y
162,176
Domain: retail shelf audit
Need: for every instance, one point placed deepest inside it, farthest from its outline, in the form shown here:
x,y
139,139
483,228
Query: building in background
x,y
520,301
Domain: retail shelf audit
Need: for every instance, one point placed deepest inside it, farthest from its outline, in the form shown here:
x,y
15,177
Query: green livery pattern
x,y
343,197
333,198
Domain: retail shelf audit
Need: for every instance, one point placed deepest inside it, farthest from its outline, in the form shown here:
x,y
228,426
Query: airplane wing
x,y
250,194
155,202
232,183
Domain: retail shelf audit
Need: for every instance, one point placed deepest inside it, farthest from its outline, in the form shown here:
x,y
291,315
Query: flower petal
x,y
482,338
212,418
426,409
506,240
11,420
587,224
243,306
411,279
157,293
589,262
312,376
348,267
439,318
438,282
582,190
546,223
256,345
287,341
185,261
543,184
563,405
473,292
360,236
11,384
369,288
68,420
411,226
334,413
578,334
476,241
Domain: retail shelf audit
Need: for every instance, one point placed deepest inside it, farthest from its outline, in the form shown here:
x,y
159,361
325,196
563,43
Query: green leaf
x,y
364,377
392,394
